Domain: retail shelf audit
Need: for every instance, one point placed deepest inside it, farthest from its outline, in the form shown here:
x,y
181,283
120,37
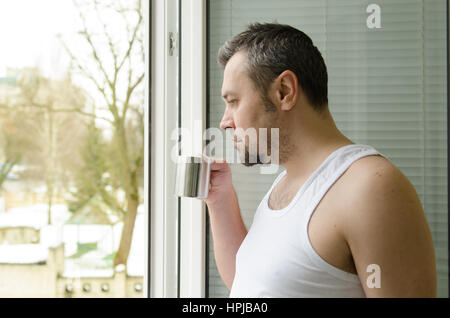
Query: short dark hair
x,y
273,48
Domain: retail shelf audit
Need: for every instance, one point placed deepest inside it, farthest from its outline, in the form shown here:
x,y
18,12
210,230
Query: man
x,y
341,220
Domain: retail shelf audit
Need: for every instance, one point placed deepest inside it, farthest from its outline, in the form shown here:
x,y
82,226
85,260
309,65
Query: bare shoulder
x,y
384,223
374,177
375,184
374,168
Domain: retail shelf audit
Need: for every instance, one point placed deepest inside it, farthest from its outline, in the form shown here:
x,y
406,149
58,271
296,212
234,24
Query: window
x,y
387,88
73,129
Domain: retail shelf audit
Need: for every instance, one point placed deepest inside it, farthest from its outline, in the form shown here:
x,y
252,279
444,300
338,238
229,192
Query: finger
x,y
207,159
213,160
219,166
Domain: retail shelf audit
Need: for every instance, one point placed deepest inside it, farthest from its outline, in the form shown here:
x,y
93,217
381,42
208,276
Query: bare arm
x,y
386,226
228,229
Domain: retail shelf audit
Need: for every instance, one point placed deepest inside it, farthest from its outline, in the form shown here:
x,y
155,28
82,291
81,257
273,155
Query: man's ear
x,y
287,89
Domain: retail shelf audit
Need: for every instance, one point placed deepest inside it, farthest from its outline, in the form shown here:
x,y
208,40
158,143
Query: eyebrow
x,y
228,94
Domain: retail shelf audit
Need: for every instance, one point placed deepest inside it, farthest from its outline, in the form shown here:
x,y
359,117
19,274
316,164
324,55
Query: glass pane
x,y
72,148
386,88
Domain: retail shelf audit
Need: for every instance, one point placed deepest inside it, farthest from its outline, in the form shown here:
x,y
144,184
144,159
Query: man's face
x,y
245,110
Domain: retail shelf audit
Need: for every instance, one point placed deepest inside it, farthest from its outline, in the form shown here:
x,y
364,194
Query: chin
x,y
245,160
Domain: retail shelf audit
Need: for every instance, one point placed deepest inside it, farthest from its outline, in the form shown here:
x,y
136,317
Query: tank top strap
x,y
334,169
275,182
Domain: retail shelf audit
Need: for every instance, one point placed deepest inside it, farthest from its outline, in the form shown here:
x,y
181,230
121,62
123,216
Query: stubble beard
x,y
285,145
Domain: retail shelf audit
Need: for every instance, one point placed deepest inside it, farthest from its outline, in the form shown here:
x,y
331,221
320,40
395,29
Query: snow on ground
x,y
90,264
35,216
23,254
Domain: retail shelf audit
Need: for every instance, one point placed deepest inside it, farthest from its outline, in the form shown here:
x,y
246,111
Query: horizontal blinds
x,y
435,100
387,88
376,79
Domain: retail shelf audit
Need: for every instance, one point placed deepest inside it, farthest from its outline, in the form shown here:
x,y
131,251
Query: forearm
x,y
228,232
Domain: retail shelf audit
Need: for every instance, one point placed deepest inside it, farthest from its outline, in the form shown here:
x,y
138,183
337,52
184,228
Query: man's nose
x,y
227,120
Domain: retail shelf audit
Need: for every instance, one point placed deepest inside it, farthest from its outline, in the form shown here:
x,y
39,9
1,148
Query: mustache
x,y
236,138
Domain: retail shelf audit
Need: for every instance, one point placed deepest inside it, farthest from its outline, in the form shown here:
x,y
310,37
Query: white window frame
x,y
164,247
163,207
193,116
147,17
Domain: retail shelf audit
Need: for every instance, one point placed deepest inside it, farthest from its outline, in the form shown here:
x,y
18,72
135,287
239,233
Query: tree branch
x,y
85,72
111,48
88,38
129,92
6,168
66,110
133,37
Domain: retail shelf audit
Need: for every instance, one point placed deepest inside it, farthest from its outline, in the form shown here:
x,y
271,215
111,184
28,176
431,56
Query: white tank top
x,y
276,258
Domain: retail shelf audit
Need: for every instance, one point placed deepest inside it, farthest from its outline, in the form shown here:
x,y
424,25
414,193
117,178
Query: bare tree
x,y
116,68
38,114
9,154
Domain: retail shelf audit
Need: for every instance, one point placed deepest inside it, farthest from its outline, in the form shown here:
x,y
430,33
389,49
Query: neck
x,y
312,142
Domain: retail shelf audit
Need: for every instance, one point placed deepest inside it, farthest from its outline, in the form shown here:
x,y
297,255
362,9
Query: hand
x,y
220,186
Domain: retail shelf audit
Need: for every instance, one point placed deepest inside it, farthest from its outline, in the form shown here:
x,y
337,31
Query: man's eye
x,y
233,101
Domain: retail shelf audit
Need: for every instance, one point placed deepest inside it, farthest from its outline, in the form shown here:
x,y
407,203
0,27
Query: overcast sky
x,y
28,38
28,30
